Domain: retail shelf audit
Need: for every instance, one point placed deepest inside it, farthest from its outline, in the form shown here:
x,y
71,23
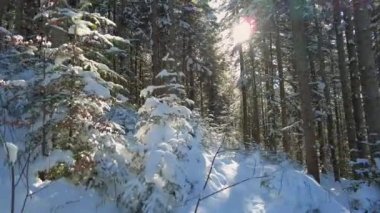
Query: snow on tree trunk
x,y
12,150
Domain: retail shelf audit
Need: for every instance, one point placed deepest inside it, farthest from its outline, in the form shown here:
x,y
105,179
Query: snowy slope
x,y
273,188
269,187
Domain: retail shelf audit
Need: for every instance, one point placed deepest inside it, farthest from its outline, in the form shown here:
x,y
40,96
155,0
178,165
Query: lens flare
x,y
241,32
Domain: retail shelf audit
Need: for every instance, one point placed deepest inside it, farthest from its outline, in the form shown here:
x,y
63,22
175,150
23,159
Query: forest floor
x,y
267,184
264,184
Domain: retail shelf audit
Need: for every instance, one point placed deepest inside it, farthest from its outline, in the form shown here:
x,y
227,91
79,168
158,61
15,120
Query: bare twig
x,y
282,179
27,181
211,166
232,185
229,150
61,206
13,188
23,169
254,168
224,188
209,172
39,190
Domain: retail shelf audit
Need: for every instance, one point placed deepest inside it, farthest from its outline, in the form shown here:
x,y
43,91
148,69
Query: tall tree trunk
x,y
185,54
45,145
375,23
340,144
263,112
156,60
355,82
376,36
270,139
3,6
201,96
191,85
346,90
371,95
320,134
136,69
244,105
120,26
327,96
272,95
141,78
303,73
284,112
300,148
190,74
255,100
19,16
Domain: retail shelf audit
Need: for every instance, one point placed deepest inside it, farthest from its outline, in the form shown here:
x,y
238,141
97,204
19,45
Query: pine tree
x,y
344,79
303,72
167,142
368,78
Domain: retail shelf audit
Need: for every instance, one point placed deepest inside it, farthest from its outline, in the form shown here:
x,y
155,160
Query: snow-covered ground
x,y
355,196
57,196
267,187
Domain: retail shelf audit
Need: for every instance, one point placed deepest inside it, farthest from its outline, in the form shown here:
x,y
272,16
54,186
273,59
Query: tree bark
x,y
284,112
320,134
156,68
375,23
355,83
244,106
120,26
338,127
366,56
201,96
327,107
346,90
255,107
303,73
270,139
3,6
272,95
19,16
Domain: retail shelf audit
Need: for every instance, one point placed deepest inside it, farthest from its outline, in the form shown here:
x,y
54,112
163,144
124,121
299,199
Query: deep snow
x,y
274,187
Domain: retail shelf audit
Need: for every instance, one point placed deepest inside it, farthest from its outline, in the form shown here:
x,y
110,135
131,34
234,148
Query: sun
x,y
241,31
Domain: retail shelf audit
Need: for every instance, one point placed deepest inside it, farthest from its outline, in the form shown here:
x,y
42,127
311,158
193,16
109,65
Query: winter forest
x,y
201,106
